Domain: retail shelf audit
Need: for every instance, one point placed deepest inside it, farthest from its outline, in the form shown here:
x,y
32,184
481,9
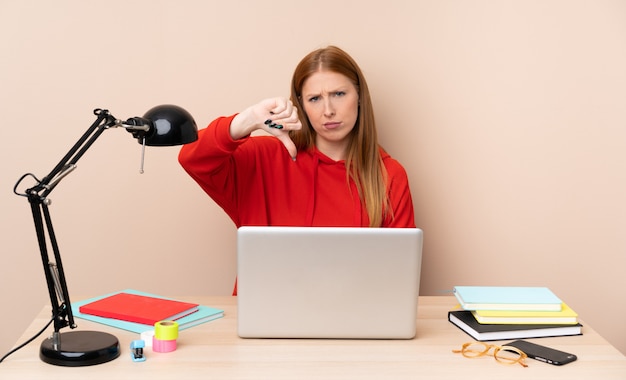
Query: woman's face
x,y
331,102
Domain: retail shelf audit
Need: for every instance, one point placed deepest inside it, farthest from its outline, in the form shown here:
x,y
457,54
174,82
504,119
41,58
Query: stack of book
x,y
138,311
496,313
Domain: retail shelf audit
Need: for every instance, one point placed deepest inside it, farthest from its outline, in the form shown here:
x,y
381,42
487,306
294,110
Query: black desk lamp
x,y
164,125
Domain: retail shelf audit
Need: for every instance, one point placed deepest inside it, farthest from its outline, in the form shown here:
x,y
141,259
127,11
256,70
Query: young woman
x,y
320,165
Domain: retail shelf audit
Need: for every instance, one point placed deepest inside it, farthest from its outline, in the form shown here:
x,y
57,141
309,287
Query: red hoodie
x,y
257,183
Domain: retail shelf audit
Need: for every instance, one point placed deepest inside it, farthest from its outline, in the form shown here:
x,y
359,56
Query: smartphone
x,y
543,353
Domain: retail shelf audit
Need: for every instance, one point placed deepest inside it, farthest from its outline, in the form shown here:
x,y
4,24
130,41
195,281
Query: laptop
x,y
328,282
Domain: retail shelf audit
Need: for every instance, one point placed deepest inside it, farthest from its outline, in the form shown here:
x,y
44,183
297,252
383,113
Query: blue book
x,y
507,298
204,314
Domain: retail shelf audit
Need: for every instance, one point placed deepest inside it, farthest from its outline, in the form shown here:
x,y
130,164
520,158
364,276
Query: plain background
x,y
509,116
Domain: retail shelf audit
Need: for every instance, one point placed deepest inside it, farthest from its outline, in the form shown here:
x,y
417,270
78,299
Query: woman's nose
x,y
329,109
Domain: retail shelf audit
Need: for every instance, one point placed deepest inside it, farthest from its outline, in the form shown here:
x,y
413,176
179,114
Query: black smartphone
x,y
543,353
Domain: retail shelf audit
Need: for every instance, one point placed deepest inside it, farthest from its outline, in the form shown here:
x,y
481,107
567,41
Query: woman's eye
x,y
340,93
314,99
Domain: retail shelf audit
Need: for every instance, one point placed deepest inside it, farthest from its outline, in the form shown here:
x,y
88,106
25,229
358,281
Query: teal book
x,y
204,314
517,298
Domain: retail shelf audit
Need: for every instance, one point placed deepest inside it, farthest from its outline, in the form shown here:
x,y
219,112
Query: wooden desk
x,y
213,351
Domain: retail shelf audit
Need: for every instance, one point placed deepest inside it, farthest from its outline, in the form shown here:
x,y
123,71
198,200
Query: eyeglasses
x,y
502,354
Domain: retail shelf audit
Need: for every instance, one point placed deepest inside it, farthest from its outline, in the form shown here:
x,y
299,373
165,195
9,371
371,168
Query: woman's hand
x,y
277,116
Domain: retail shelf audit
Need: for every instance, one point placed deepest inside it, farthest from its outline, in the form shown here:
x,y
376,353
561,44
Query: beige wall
x,y
509,116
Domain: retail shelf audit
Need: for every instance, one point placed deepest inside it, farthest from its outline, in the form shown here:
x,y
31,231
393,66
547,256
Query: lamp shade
x,y
170,125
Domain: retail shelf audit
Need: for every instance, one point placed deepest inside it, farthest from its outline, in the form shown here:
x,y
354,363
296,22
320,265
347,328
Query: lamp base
x,y
80,348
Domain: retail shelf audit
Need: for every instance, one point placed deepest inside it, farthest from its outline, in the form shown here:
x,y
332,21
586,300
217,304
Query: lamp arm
x,y
38,199
103,121
55,277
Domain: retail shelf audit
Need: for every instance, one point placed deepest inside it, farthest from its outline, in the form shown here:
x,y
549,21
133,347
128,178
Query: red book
x,y
139,309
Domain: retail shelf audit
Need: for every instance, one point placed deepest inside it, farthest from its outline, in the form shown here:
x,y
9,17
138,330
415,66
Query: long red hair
x,y
363,161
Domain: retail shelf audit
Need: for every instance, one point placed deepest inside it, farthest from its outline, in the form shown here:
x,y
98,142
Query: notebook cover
x,y
507,298
464,320
139,308
565,316
203,315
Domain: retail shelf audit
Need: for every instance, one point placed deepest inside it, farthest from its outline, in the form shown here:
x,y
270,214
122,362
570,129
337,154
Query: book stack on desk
x,y
139,308
496,313
137,311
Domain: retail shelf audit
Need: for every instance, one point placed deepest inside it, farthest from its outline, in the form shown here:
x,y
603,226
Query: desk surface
x,y
213,350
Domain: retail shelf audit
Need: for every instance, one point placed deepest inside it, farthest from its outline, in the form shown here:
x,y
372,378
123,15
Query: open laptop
x,y
328,282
